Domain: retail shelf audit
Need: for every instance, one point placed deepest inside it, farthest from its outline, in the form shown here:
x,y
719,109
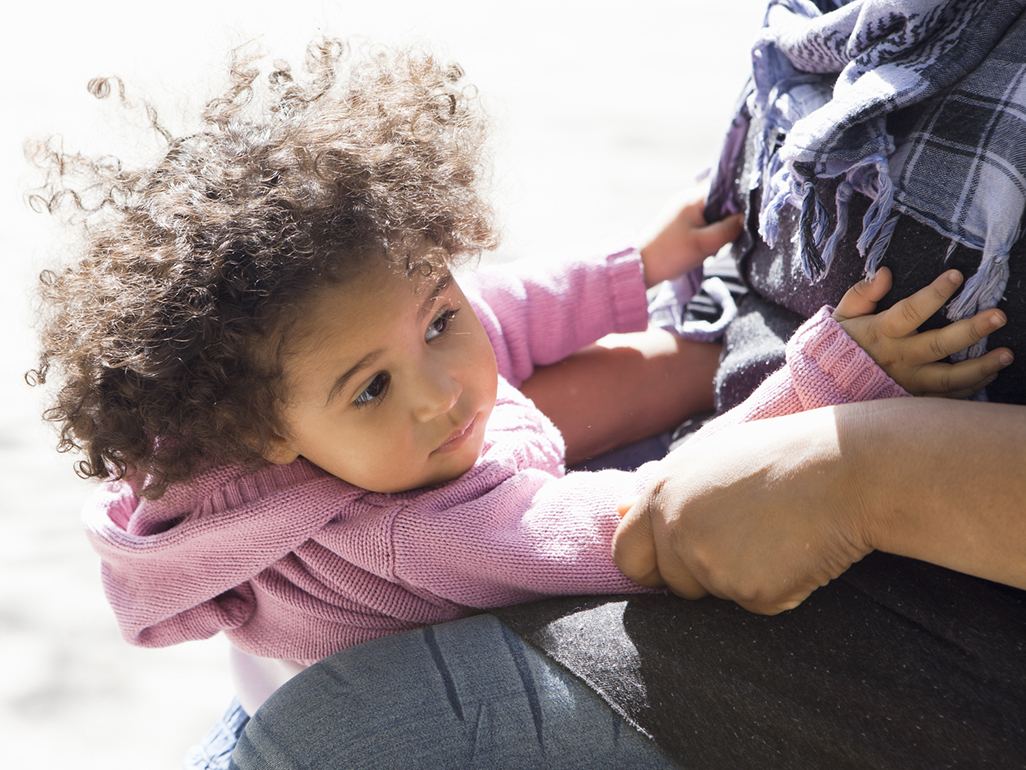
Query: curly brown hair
x,y
192,264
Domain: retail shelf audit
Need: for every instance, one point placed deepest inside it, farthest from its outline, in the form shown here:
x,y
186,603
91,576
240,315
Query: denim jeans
x,y
468,694
215,750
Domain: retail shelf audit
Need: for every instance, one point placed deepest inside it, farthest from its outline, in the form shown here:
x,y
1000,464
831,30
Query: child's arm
x,y
623,389
507,538
539,311
911,358
835,357
627,387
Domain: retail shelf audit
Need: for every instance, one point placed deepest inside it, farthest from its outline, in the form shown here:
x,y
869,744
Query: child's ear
x,y
279,451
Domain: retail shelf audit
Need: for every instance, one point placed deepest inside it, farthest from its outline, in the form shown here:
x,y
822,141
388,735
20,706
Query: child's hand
x,y
679,238
910,358
644,564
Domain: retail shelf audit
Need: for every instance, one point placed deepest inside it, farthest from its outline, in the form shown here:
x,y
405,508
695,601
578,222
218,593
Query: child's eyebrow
x,y
441,285
347,375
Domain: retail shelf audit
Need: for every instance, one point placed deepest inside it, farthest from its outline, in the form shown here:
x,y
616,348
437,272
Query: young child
x,y
311,432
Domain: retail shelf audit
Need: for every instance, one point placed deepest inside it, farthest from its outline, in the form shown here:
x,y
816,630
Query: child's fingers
x,y
625,505
912,312
686,206
712,238
634,550
861,298
940,343
963,379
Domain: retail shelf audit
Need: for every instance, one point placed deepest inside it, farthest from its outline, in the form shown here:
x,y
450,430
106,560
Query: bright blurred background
x,y
601,112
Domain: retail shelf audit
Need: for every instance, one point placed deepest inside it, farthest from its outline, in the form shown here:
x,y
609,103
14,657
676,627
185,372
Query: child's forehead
x,y
348,323
368,292
380,289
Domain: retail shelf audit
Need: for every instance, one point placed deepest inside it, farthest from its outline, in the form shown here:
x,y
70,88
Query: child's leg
x,y
623,389
215,750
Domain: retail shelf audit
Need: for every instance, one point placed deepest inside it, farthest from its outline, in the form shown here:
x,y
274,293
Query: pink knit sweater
x,y
293,563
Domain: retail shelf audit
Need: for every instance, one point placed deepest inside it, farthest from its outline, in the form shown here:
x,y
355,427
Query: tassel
x,y
841,199
812,226
951,250
984,290
880,245
777,190
877,185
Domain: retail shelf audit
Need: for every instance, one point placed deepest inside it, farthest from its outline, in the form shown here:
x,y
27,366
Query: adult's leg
x,y
468,694
897,664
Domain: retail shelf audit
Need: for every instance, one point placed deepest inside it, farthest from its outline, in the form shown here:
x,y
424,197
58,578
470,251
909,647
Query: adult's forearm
x,y
765,512
942,481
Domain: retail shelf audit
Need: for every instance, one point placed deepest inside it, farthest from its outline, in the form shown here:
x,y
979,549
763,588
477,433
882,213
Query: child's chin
x,y
457,470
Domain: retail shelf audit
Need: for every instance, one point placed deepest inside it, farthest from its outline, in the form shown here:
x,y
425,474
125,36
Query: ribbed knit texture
x,y
294,563
823,367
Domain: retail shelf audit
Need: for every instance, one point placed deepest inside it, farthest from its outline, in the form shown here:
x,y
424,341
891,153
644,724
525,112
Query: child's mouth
x,y
458,438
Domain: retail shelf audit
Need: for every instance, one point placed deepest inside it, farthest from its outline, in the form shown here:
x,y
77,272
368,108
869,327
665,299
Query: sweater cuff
x,y
828,367
627,290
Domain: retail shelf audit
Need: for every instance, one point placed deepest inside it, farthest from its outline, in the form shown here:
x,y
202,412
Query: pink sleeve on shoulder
x,y
172,574
539,311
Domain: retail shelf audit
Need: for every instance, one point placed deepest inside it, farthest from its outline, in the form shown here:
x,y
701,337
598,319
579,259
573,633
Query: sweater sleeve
x,y
531,536
539,311
824,367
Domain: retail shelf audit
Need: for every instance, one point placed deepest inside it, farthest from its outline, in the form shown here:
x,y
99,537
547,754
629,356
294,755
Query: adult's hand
x,y
761,513
765,512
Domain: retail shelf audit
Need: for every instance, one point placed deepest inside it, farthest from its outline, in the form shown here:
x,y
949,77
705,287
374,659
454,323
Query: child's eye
x,y
440,325
374,391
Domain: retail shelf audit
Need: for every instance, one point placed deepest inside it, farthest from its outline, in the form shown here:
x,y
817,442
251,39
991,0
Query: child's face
x,y
391,382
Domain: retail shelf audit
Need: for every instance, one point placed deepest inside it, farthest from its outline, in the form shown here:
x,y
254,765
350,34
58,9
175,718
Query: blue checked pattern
x,y
833,84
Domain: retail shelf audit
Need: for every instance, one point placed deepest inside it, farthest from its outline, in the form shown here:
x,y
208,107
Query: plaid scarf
x,y
826,78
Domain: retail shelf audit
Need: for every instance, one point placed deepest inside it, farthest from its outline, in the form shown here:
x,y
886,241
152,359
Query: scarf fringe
x,y
817,251
874,181
812,226
841,199
866,66
883,241
778,187
984,290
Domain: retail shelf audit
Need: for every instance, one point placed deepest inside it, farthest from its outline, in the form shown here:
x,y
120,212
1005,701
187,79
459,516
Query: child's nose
x,y
439,393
